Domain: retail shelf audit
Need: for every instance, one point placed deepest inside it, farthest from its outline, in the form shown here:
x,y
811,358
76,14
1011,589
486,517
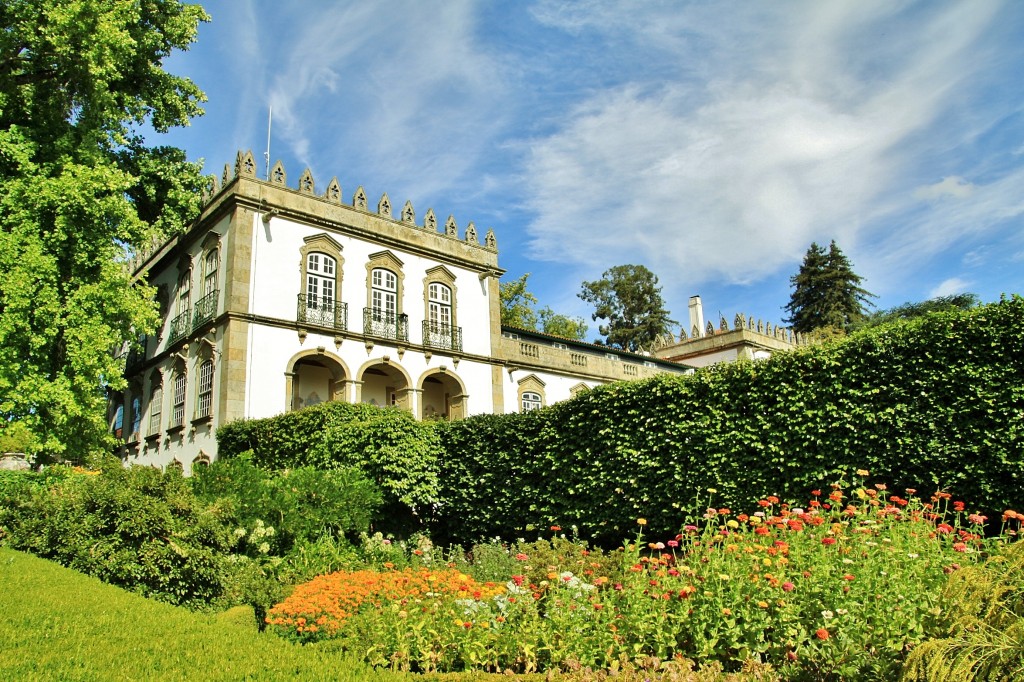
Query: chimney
x,y
696,315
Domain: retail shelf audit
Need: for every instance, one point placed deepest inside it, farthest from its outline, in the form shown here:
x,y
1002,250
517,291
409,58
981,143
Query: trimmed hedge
x,y
937,401
399,454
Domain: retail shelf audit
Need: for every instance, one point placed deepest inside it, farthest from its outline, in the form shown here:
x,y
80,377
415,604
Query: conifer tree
x,y
826,292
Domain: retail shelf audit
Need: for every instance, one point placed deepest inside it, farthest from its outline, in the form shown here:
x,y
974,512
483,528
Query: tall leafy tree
x,y
908,311
79,191
629,298
826,292
517,310
517,304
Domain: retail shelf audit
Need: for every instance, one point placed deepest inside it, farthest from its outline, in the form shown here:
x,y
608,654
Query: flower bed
x,y
842,586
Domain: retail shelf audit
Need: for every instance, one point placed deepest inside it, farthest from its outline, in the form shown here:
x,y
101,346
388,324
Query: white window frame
x,y
531,400
204,395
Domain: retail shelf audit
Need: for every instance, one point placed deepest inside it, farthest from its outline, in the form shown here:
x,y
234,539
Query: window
x,y
156,400
531,401
210,273
321,271
439,330
204,402
178,406
383,315
206,306
440,308
136,417
184,292
383,294
320,301
118,427
180,323
559,345
531,393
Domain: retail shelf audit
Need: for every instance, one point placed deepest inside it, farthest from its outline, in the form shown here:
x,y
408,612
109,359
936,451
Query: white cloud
x,y
809,131
953,186
953,285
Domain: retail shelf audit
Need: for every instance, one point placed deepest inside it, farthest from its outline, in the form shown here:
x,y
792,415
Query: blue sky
x,y
710,141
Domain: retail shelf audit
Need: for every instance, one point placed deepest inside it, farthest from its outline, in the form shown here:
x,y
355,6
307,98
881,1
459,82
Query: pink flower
x,y
788,587
522,557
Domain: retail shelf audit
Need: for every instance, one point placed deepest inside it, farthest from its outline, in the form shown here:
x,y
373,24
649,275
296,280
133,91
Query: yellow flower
x,y
641,522
763,604
863,472
732,523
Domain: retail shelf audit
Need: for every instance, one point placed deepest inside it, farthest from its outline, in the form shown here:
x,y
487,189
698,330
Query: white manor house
x,y
279,298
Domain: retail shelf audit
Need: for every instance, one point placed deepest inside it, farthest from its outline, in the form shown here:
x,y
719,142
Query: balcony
x,y
377,322
206,309
319,313
180,326
442,336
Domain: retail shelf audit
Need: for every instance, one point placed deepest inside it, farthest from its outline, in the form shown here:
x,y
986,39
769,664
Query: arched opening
x,y
385,385
443,397
315,379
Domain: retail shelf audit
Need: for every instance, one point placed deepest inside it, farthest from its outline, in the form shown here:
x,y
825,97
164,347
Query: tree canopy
x,y
629,298
909,310
826,293
79,191
517,310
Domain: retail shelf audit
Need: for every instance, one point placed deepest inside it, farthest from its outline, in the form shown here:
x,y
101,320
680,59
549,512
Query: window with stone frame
x,y
180,382
204,395
320,301
156,404
531,393
531,401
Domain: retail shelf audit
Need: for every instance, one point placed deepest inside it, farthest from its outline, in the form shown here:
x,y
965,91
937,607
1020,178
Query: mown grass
x,y
56,623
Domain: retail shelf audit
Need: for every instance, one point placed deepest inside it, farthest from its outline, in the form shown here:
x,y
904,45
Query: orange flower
x,y
821,633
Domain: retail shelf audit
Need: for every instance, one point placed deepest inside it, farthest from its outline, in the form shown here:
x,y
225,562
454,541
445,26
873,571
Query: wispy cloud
x,y
953,285
811,130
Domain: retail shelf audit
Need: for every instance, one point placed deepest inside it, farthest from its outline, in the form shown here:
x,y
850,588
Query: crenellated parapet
x,y
748,337
740,322
245,166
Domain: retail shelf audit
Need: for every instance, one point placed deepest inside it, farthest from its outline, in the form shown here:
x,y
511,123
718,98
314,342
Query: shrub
x,y
137,528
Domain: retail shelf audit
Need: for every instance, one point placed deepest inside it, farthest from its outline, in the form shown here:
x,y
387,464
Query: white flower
x,y
827,614
264,547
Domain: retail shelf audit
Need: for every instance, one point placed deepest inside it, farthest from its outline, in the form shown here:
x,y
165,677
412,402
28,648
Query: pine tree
x,y
826,292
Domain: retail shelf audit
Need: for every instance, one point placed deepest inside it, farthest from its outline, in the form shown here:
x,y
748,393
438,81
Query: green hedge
x,y
931,403
399,454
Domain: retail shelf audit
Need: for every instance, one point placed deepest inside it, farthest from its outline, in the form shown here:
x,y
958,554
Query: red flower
x,y
958,506
816,493
556,528
828,540
821,633
788,587
522,557
518,580
960,546
849,577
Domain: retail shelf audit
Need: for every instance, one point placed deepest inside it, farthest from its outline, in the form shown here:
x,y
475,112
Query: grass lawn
x,y
56,623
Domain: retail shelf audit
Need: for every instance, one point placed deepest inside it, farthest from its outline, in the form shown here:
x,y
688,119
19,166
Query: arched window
x,y
531,401
383,295
118,423
321,271
210,273
531,393
178,403
136,420
156,404
440,305
204,398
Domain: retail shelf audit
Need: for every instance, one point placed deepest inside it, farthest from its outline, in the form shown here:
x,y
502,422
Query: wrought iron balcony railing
x,y
205,309
377,322
180,326
442,336
315,311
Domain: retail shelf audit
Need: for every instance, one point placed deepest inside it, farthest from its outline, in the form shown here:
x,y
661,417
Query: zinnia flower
x,y
821,633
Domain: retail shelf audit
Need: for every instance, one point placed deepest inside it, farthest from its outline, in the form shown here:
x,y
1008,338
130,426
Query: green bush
x,y
399,454
300,504
137,528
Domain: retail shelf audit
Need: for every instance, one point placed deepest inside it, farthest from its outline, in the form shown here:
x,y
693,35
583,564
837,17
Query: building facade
x,y
283,297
